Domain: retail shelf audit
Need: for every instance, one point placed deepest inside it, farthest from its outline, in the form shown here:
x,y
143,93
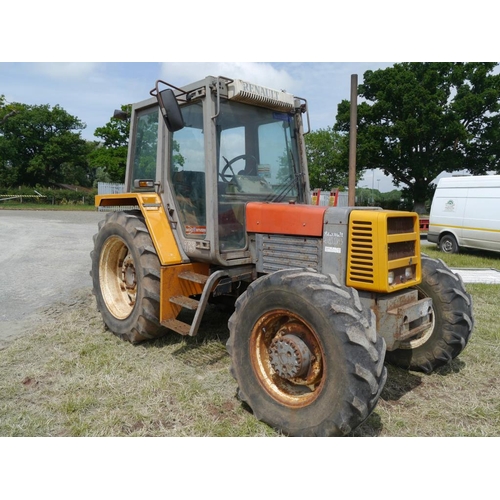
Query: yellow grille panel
x,y
361,262
381,243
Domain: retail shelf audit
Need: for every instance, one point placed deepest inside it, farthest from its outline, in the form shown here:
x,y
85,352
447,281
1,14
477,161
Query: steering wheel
x,y
224,175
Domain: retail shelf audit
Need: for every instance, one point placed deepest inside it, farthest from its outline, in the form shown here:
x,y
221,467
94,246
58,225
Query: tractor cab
x,y
211,148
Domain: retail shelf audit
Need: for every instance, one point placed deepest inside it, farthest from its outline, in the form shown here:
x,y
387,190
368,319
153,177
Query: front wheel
x,y
126,277
305,354
451,321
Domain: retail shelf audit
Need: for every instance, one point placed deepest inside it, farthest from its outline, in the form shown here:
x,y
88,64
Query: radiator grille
x,y
398,225
401,249
384,250
362,261
286,252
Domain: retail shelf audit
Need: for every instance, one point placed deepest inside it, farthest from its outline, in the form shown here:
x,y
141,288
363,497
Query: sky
x,y
92,91
51,63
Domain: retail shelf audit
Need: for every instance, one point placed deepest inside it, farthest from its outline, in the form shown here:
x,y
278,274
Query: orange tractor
x,y
218,206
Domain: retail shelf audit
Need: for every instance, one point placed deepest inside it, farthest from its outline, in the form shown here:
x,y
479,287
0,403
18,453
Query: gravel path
x,y
44,258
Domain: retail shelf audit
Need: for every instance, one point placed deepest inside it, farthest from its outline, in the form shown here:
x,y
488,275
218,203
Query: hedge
x,y
51,196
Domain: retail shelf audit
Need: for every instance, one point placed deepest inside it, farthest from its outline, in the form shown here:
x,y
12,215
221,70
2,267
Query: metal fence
x,y
110,188
342,200
20,197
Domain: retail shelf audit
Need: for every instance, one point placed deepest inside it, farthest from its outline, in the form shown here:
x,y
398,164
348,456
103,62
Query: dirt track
x,y
44,258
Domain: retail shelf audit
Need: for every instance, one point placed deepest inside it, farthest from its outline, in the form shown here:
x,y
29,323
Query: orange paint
x,y
285,218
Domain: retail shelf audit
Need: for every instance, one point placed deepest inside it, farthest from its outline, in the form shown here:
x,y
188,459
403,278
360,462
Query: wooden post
x,y
352,141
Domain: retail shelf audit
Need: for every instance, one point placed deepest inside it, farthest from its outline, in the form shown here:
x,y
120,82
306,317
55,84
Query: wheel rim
x,y
447,246
287,358
117,278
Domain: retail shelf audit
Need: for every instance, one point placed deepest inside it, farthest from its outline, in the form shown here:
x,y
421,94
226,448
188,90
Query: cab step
x,y
194,277
186,302
177,326
192,304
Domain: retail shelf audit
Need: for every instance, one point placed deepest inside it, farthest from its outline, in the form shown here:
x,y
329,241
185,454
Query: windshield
x,y
257,152
257,161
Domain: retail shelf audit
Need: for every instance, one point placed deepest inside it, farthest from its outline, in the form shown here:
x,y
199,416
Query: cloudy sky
x,y
34,67
91,91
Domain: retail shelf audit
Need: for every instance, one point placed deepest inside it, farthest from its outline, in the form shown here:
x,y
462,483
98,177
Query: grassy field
x,y
71,377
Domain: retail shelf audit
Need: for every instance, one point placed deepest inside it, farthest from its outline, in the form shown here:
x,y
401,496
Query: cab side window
x,y
187,171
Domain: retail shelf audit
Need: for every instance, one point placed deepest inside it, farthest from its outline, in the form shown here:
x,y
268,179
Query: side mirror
x,y
121,115
170,110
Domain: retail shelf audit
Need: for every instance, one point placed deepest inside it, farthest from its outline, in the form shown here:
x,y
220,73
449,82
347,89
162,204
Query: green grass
x,y
71,377
466,258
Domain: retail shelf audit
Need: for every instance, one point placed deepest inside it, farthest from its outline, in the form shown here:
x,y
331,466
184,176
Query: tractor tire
x,y
305,354
126,277
452,321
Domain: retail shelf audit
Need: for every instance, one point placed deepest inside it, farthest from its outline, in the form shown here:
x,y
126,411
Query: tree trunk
x,y
419,207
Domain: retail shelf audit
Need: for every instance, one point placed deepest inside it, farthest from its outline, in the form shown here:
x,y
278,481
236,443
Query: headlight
x,y
408,273
390,277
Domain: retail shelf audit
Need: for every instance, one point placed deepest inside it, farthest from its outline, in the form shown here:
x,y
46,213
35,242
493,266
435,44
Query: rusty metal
x,y
289,356
398,225
118,277
400,250
295,385
403,316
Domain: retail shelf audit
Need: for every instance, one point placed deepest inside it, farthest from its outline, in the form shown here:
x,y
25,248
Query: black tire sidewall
x,y
447,294
330,404
453,242
112,229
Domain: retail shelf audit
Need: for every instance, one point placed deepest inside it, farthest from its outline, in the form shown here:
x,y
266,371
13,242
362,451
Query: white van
x,y
465,212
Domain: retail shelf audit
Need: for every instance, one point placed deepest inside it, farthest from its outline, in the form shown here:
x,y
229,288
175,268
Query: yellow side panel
x,y
172,285
156,221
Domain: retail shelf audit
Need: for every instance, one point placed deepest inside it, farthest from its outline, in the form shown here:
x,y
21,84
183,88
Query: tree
x,y
326,151
420,119
6,111
40,145
110,155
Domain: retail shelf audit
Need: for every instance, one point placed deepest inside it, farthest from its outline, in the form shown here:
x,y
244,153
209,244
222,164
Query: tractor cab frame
x,y
238,143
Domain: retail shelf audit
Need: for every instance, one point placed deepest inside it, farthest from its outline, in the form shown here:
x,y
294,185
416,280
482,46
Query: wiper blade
x,y
286,188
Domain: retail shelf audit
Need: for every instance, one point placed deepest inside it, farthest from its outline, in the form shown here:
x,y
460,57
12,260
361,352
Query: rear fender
x,y
156,221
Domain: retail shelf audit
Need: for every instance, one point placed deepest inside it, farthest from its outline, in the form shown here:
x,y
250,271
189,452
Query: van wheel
x,y
448,244
451,321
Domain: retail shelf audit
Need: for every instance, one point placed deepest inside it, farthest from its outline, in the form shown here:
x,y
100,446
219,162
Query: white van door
x,y
482,218
447,212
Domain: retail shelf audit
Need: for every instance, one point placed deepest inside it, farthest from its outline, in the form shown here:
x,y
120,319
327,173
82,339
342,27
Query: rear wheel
x,y
305,354
126,277
451,324
448,244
